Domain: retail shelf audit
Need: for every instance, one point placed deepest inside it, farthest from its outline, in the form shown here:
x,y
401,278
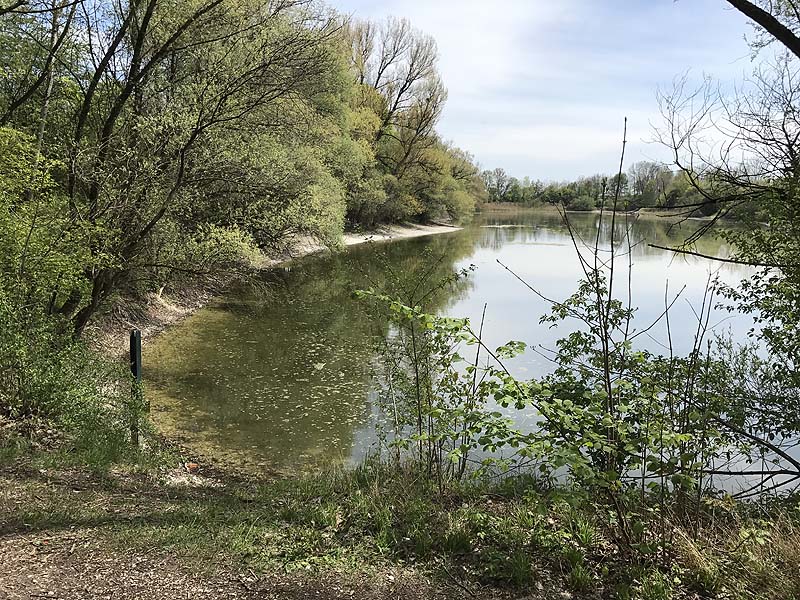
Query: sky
x,y
541,87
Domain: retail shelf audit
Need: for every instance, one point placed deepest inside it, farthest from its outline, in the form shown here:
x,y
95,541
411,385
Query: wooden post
x,y
136,391
136,355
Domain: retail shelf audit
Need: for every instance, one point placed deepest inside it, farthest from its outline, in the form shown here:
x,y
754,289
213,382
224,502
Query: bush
x,y
44,374
583,203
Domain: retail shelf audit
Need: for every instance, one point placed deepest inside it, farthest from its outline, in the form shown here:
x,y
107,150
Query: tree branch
x,y
719,259
766,20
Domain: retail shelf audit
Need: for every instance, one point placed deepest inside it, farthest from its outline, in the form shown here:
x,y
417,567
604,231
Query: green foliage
x,y
245,128
581,203
44,373
44,376
599,431
42,250
442,406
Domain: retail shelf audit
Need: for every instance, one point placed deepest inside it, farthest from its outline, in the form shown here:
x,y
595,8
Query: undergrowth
x,y
507,534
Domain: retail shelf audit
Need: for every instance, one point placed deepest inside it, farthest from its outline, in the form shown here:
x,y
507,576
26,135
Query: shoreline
x,y
398,232
156,313
306,246
660,213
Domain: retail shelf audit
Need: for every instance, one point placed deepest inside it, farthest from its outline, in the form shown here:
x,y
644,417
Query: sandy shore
x,y
396,232
303,246
109,333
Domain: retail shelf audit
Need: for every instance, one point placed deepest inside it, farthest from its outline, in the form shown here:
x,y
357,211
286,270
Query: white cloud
x,y
540,87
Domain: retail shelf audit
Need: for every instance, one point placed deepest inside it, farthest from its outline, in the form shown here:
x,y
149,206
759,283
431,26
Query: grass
x,y
507,535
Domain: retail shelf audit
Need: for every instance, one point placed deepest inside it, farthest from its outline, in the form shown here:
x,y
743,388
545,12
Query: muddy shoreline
x,y
155,313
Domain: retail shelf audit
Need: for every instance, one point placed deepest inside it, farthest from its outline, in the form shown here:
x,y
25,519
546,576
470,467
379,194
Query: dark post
x,y
136,389
136,355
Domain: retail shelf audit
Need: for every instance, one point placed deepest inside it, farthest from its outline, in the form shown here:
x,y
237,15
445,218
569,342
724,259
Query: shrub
x,y
44,374
583,203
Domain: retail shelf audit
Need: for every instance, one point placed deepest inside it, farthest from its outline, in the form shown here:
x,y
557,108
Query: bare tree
x,y
362,41
397,61
739,151
415,128
740,148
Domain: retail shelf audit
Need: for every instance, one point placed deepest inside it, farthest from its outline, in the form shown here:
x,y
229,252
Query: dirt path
x,y
72,534
73,565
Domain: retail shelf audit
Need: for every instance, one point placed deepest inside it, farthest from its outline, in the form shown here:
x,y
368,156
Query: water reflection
x,y
278,373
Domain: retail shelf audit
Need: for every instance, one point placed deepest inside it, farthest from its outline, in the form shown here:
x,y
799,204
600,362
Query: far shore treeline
x,y
646,184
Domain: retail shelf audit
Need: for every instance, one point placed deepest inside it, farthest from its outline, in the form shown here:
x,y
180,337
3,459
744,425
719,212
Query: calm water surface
x,y
278,374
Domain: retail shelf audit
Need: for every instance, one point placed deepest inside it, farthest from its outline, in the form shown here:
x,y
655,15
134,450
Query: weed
x,y
579,579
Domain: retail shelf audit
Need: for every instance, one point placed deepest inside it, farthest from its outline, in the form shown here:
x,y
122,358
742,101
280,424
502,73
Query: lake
x,y
277,374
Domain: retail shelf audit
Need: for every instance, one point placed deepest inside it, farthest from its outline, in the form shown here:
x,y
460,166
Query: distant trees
x,y
501,187
645,185
648,183
498,184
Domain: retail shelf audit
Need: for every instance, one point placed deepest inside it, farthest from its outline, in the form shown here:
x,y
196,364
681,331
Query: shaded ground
x,y
74,565
71,534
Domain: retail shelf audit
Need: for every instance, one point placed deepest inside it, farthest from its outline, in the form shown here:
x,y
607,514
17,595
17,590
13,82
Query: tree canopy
x,y
149,139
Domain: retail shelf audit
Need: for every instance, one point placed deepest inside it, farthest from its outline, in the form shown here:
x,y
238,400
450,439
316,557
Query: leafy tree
x,y
414,175
181,125
582,203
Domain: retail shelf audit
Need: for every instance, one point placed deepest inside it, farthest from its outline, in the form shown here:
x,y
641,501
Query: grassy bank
x,y
375,531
